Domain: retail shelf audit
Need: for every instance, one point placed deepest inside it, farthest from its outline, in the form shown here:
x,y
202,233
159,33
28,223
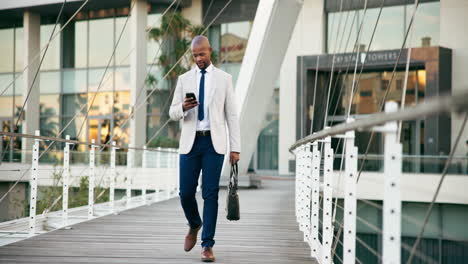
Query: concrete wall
x,y
307,39
453,25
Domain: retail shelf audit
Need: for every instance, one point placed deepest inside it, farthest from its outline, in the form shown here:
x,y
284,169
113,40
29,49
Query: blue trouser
x,y
202,157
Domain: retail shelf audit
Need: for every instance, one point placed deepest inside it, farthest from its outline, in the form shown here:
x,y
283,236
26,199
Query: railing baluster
x,y
130,166
327,228
315,199
308,191
349,236
112,178
66,180
91,179
392,198
33,185
144,165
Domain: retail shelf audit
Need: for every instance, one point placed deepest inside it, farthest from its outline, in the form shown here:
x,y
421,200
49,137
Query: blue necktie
x,y
201,109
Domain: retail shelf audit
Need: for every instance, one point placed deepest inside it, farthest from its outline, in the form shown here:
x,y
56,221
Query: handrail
x,y
10,134
429,107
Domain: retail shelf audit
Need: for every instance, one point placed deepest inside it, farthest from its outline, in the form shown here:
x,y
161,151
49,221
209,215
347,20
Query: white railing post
x,y
112,178
91,179
327,228
66,181
301,189
349,219
307,164
315,199
144,165
130,166
176,153
392,198
33,185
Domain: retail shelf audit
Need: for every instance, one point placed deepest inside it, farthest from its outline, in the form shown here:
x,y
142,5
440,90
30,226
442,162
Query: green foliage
x,y
164,142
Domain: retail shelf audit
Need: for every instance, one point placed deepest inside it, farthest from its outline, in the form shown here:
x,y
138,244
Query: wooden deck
x,y
266,233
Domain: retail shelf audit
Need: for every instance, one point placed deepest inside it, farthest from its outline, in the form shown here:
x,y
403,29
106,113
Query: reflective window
x,y
81,44
391,28
154,21
19,49
6,50
73,104
100,103
74,81
52,58
122,79
7,106
234,38
49,82
427,24
101,41
121,103
100,80
122,52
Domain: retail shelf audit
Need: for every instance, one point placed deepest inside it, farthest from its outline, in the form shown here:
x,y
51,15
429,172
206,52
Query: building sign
x,y
378,57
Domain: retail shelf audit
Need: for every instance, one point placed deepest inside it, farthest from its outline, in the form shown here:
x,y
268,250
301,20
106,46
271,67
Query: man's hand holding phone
x,y
190,101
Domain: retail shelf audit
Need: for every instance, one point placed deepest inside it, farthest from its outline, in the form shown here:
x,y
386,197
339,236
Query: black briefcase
x,y
232,199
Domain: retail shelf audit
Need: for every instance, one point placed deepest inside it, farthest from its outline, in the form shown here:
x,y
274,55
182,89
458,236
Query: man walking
x,y
203,141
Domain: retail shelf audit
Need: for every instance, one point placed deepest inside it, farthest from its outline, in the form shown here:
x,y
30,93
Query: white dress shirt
x,y
205,123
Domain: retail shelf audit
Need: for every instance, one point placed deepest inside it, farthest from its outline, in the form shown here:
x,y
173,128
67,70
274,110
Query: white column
x,y
138,72
31,47
307,39
255,85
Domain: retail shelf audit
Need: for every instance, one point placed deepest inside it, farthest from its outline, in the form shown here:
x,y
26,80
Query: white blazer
x,y
222,111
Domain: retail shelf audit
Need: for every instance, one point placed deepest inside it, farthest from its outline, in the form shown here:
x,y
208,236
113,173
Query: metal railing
x,y
102,180
316,200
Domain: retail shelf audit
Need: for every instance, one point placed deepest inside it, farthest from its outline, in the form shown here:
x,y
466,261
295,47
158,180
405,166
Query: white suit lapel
x,y
214,84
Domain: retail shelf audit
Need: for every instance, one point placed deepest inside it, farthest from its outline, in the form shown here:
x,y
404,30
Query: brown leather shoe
x,y
191,238
207,255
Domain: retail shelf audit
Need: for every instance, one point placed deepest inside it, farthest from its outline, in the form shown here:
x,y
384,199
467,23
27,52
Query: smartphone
x,y
191,95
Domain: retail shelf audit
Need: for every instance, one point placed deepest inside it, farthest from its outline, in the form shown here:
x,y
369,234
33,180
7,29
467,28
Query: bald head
x,y
200,41
201,51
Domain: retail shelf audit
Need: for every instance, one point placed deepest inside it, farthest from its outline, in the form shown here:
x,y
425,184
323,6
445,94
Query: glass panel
x,y
7,106
19,84
81,43
102,104
166,137
234,38
122,79
96,79
6,50
155,78
5,81
52,57
19,49
49,104
73,104
121,129
49,126
101,39
71,127
74,81
427,24
122,52
389,33
157,100
154,21
49,82
121,103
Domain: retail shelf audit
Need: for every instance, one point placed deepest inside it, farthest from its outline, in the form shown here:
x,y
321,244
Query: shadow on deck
x,y
266,233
